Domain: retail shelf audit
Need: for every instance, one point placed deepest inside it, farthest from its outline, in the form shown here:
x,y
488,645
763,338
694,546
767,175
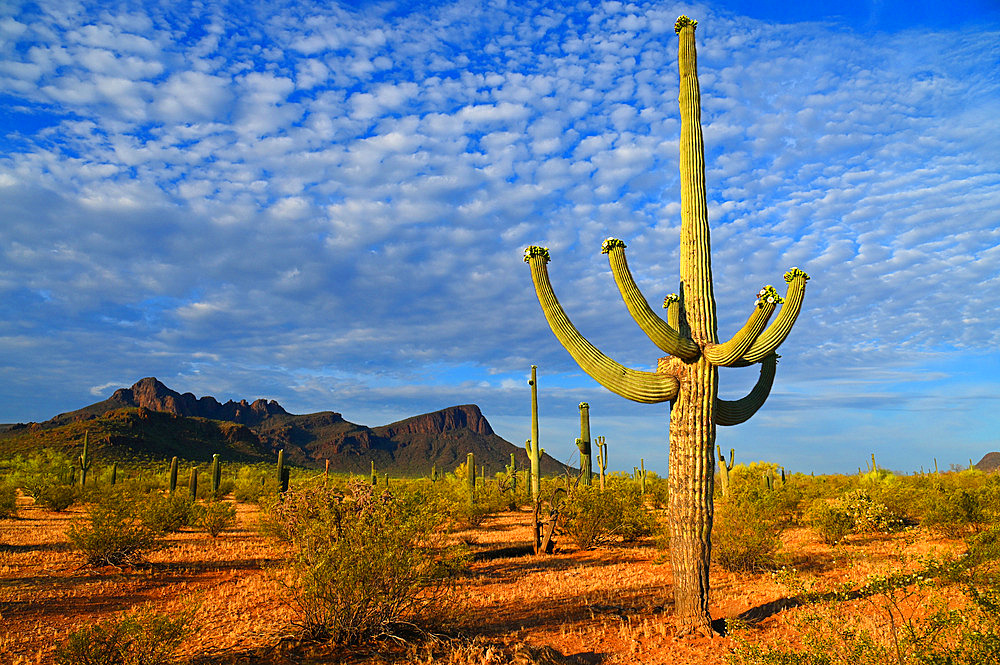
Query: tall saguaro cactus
x,y
688,376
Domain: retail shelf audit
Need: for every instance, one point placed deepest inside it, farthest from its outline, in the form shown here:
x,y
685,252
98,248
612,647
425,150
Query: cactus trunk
x,y
216,475
470,477
583,443
534,452
280,471
173,475
193,484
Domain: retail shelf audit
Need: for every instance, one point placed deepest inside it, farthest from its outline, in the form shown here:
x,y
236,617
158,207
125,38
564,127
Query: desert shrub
x,y
593,517
53,495
215,517
869,515
830,520
363,560
167,513
115,532
253,484
8,499
138,638
957,511
746,533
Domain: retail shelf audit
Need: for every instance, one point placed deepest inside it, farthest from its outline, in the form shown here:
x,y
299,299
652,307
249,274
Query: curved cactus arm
x,y
644,387
659,332
769,340
728,353
739,411
672,303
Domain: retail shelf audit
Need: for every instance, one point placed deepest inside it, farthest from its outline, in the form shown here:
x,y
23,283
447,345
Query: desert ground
x,y
607,605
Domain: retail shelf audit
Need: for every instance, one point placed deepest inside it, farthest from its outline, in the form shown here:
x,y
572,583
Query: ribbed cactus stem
x,y
470,477
173,475
512,475
374,474
216,475
532,444
193,484
583,443
281,472
642,475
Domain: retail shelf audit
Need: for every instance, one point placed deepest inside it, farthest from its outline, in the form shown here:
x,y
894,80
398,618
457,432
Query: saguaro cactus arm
x,y
741,410
728,353
661,333
645,387
776,333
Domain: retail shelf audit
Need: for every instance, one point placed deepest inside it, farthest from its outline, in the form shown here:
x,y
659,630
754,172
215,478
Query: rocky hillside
x,y
989,463
151,420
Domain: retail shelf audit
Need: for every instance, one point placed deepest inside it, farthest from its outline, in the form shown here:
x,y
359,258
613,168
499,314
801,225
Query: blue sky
x,y
326,204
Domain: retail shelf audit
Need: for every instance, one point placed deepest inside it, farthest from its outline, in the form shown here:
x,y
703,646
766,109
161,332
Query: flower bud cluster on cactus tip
x,y
769,295
682,22
535,250
610,244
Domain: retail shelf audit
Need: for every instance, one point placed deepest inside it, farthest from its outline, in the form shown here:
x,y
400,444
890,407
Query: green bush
x,y
53,495
589,517
167,513
363,560
115,532
139,638
215,517
830,520
869,515
8,499
746,533
956,512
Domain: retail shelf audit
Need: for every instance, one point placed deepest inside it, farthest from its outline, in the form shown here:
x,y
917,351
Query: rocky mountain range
x,y
151,420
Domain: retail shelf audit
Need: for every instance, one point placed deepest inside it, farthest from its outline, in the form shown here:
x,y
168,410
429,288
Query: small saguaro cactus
x,y
724,468
434,473
326,473
602,458
85,460
216,475
374,474
583,443
642,475
173,475
193,484
531,445
470,477
511,470
688,376
282,472
114,473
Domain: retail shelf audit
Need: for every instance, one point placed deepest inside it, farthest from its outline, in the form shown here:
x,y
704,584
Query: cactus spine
x,y
602,458
85,460
583,443
173,476
531,445
724,468
216,475
688,376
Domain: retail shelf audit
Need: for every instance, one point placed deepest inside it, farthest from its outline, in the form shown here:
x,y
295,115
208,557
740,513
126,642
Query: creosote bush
x,y
746,531
167,513
138,638
363,560
593,518
53,495
8,499
115,532
215,517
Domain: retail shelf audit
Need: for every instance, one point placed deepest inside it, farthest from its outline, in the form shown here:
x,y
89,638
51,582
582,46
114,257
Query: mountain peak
x,y
151,394
465,416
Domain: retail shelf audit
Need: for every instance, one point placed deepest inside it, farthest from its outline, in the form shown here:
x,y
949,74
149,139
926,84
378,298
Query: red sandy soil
x,y
610,605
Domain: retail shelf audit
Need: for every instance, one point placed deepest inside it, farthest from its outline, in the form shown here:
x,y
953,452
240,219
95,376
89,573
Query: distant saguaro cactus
x,y
85,460
531,445
602,458
193,484
725,468
216,475
688,376
173,475
470,477
583,443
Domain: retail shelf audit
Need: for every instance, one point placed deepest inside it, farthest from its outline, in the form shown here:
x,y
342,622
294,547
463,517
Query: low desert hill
x,y
149,420
989,463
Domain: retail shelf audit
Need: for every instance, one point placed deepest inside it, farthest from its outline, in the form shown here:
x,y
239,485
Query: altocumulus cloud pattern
x,y
326,204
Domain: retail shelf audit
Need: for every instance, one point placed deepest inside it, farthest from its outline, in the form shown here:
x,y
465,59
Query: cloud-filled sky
x,y
327,203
